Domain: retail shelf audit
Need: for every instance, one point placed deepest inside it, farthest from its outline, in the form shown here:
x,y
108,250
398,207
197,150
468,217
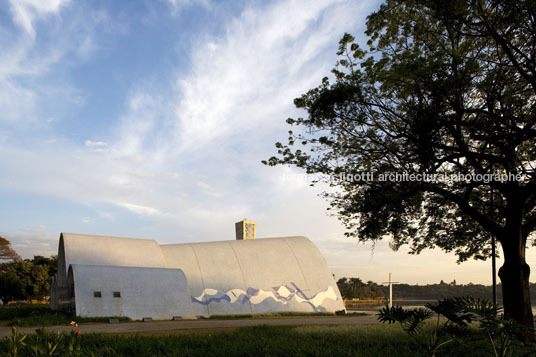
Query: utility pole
x,y
390,282
493,269
493,266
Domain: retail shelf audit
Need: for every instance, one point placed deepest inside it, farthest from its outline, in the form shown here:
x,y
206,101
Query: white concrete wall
x,y
182,256
145,292
225,277
261,275
316,271
221,272
270,264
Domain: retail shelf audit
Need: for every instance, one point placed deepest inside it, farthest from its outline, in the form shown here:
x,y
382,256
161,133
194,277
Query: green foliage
x,y
454,309
49,318
6,252
355,288
15,342
44,344
504,334
50,263
34,278
22,310
21,314
441,290
268,314
11,288
40,315
342,340
421,292
27,279
393,314
410,320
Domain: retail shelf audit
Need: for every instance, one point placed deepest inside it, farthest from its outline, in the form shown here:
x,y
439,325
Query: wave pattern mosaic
x,y
282,294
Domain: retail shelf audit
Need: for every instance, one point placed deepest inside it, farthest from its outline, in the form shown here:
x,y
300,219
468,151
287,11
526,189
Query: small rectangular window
x,y
97,294
117,294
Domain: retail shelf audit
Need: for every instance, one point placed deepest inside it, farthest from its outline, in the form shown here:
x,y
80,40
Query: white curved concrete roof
x,y
87,249
238,276
261,264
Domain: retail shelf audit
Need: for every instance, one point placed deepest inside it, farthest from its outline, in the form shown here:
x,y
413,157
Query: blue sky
x,y
150,118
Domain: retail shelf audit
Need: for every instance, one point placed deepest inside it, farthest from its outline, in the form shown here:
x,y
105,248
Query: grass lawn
x,y
316,340
279,314
41,315
345,340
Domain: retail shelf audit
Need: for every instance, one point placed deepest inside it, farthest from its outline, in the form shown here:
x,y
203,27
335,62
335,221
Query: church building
x,y
138,278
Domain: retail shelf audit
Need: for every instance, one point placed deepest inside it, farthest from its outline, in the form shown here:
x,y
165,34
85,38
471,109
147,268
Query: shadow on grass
x,y
41,315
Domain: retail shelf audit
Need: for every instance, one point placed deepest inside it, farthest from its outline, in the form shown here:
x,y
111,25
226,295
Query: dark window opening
x,y
117,294
97,294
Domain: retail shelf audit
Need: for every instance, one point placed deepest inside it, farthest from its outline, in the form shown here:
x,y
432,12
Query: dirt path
x,y
161,327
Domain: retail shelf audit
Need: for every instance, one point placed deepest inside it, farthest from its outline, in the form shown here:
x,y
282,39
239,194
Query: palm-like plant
x,y
458,313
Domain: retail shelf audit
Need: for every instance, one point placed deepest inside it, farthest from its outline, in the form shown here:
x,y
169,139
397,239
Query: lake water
x,y
408,304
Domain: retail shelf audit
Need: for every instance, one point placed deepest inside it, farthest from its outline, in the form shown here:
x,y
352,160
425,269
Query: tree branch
x,y
464,205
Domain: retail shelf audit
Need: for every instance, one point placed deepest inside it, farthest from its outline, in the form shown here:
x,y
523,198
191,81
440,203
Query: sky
x,y
150,119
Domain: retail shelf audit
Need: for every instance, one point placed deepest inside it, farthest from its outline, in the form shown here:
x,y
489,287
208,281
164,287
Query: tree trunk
x,y
514,276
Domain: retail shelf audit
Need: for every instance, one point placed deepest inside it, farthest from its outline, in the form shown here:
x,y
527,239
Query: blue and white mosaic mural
x,y
282,294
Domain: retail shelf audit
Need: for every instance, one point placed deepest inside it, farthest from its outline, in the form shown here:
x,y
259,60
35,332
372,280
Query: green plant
x,y
73,343
311,340
22,310
503,334
412,322
41,315
269,315
16,341
42,345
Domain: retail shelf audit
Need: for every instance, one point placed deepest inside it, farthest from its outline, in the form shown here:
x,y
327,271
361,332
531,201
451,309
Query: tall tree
x,y
34,278
50,263
6,252
11,288
447,93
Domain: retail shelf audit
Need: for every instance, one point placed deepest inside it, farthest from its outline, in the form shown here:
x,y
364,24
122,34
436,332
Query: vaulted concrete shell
x,y
191,279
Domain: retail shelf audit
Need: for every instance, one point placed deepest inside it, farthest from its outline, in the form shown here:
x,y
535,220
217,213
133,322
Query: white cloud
x,y
207,129
27,58
178,5
141,130
87,46
15,101
143,210
264,60
195,152
25,12
97,146
267,57
35,240
90,143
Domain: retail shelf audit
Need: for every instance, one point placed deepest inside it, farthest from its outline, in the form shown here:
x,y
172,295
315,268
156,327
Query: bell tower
x,y
245,229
